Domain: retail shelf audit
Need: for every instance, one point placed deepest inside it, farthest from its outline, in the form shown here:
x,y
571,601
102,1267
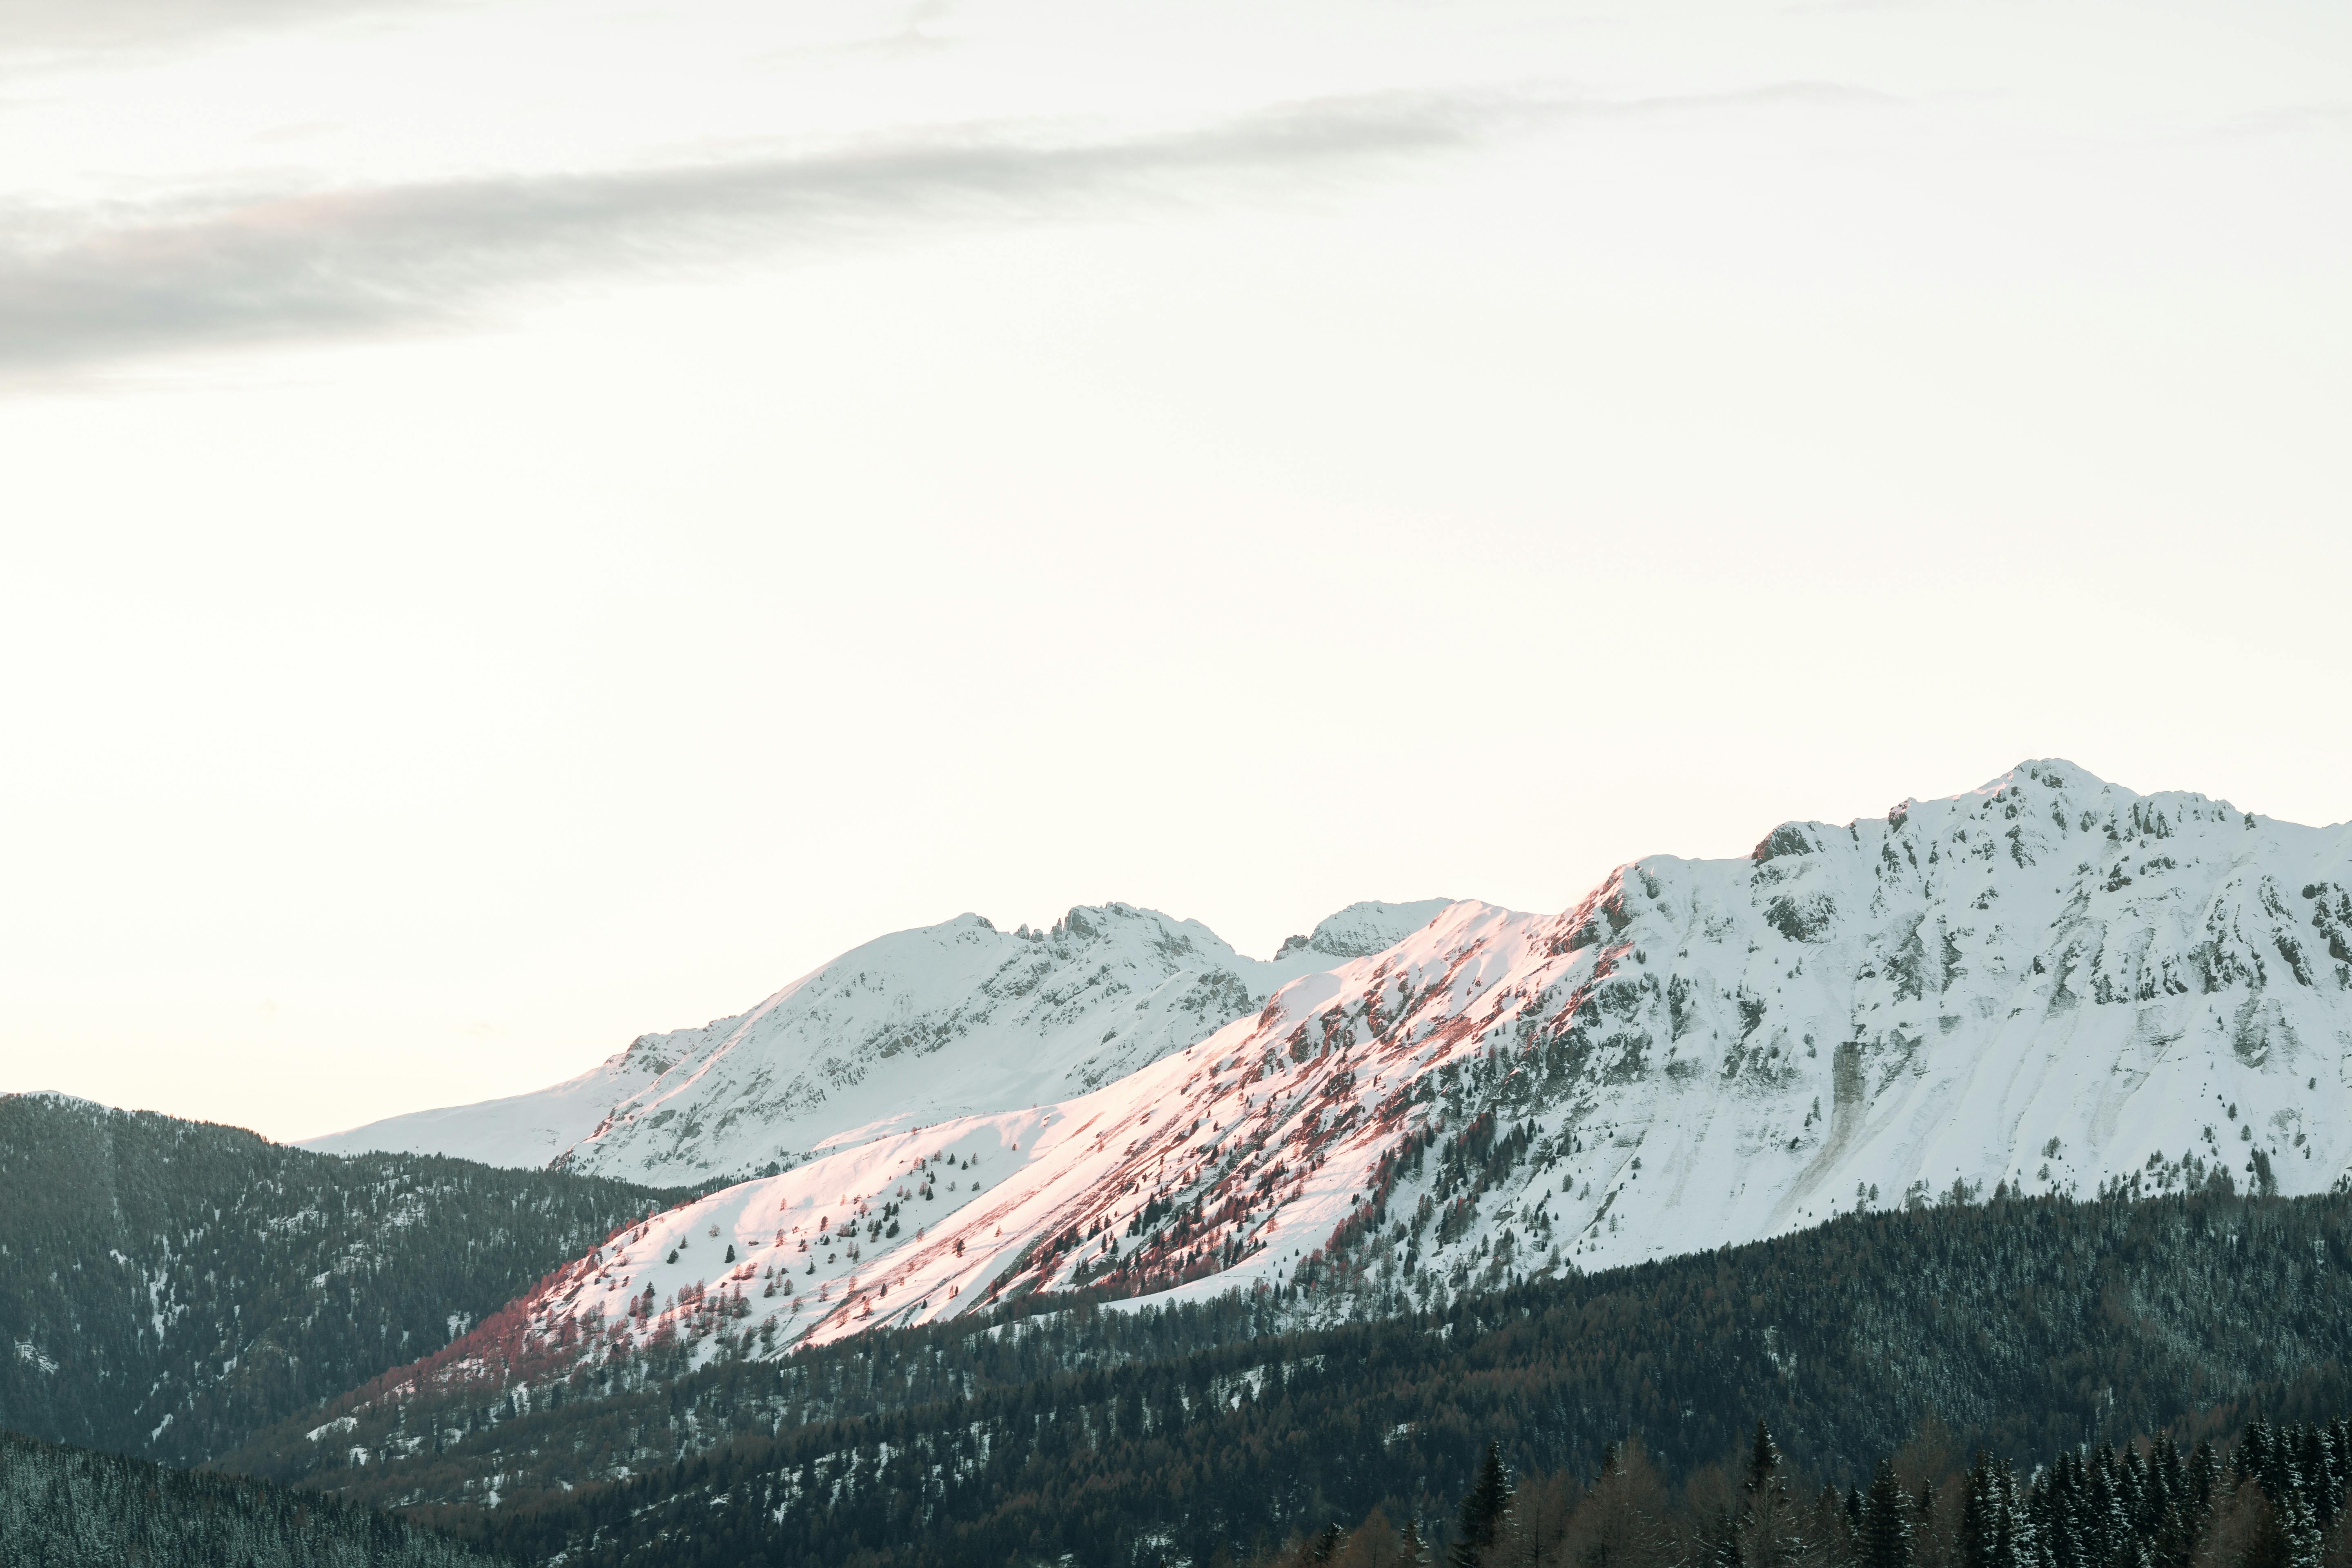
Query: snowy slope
x,y
909,1029
2051,983
529,1131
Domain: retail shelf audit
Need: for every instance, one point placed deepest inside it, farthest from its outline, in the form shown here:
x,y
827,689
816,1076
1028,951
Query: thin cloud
x,y
94,286
85,288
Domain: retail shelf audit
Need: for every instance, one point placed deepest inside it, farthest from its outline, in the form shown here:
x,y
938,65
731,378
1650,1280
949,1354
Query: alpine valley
x,y
2022,1118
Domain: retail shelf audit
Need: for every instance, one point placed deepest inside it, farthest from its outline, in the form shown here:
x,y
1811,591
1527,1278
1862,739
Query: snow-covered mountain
x,y
910,1029
2050,984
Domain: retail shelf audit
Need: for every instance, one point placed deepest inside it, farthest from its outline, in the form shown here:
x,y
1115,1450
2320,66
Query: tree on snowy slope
x,y
1768,1530
168,1287
1483,1510
1885,1521
71,1508
1994,1532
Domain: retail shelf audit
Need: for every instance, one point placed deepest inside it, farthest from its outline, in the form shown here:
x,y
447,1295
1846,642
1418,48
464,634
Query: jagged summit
x,y
1363,929
954,1019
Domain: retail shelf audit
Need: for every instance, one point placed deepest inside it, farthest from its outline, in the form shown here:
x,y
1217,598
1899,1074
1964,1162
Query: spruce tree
x,y
2250,1457
1885,1521
2204,1474
2106,1520
1768,1534
2315,1461
2015,1546
2300,1524
2163,1485
1488,1499
1980,1523
1763,1463
2282,1478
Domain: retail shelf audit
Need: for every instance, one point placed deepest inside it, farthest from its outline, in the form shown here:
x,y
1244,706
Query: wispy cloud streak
x,y
88,286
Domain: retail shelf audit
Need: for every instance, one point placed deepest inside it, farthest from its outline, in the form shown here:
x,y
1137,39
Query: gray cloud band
x,y
86,287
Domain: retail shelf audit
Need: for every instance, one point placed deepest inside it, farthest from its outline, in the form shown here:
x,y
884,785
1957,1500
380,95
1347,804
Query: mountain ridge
x,y
955,1019
2049,985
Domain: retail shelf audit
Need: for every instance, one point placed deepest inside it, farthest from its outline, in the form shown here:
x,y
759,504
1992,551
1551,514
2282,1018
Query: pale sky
x,y
529,523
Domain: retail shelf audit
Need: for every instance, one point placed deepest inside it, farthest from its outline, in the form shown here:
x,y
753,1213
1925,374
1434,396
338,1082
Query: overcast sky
x,y
527,523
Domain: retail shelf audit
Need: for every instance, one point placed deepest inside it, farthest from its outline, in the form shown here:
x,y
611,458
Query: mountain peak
x,y
954,1019
1363,929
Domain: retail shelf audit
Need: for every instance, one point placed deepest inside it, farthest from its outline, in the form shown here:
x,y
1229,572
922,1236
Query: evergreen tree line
x,y
2276,1499
2027,1325
73,1508
654,1404
168,1287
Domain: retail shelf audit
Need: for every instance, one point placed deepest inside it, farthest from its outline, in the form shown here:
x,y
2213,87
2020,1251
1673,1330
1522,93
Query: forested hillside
x,y
72,1508
2026,1325
168,1287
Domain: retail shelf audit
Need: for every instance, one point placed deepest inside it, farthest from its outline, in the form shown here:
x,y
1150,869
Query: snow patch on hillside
x,y
526,1130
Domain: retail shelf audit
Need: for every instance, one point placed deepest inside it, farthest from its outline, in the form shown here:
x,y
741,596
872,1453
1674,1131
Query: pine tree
x,y
2163,1485
2015,1547
2282,1478
1763,1463
2204,1474
2315,1461
2132,1480
2107,1520
2251,1456
1768,1531
1489,1499
2300,1524
1980,1520
1885,1521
